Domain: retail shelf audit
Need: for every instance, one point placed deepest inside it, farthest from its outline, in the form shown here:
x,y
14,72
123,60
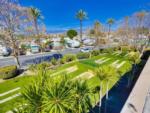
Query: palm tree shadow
x,y
118,95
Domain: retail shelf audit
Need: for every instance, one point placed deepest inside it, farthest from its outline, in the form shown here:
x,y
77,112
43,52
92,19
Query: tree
x,y
56,95
12,21
97,26
134,58
140,16
35,15
100,73
110,22
82,99
72,33
95,91
81,15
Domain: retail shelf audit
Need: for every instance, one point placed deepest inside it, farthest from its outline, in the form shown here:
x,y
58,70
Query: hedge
x,y
8,72
83,55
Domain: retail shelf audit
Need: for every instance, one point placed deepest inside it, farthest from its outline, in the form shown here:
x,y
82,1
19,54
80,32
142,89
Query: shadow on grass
x,y
118,94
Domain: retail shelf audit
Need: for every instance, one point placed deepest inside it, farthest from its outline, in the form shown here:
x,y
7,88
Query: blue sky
x,y
59,15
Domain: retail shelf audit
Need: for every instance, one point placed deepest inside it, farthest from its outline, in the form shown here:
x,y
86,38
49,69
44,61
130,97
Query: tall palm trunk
x,y
36,26
81,30
109,30
100,100
107,90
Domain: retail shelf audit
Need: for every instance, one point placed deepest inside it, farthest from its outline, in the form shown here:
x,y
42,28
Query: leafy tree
x,y
81,15
72,33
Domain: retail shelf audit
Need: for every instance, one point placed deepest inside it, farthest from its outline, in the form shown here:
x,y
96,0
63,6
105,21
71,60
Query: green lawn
x,y
83,66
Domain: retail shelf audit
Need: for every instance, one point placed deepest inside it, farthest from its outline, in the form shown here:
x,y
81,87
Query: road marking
x,y
126,54
68,70
115,53
104,61
121,64
88,74
13,90
9,98
115,62
101,59
118,54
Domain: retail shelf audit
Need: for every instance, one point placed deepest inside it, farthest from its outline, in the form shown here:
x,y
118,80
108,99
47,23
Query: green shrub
x,y
83,55
8,72
54,61
62,61
95,52
108,50
69,57
36,67
125,49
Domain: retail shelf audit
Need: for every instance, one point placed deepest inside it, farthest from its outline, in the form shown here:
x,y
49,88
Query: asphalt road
x,y
6,61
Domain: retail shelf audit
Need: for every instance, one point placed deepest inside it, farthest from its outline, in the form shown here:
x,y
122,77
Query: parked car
x,y
89,42
5,51
86,49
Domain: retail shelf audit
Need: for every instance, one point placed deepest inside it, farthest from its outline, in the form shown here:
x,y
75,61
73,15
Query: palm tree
x,y
81,15
35,14
58,96
110,22
82,98
33,94
101,74
95,91
111,74
97,26
134,58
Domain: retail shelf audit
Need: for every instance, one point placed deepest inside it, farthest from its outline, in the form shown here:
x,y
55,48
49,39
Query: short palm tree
x,y
134,58
95,91
111,75
101,74
82,97
58,97
81,15
33,94
110,22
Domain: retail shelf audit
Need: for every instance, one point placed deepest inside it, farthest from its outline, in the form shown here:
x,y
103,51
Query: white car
x,y
86,49
5,51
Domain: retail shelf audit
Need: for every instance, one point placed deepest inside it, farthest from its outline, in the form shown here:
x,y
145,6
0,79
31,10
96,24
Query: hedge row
x,y
8,72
